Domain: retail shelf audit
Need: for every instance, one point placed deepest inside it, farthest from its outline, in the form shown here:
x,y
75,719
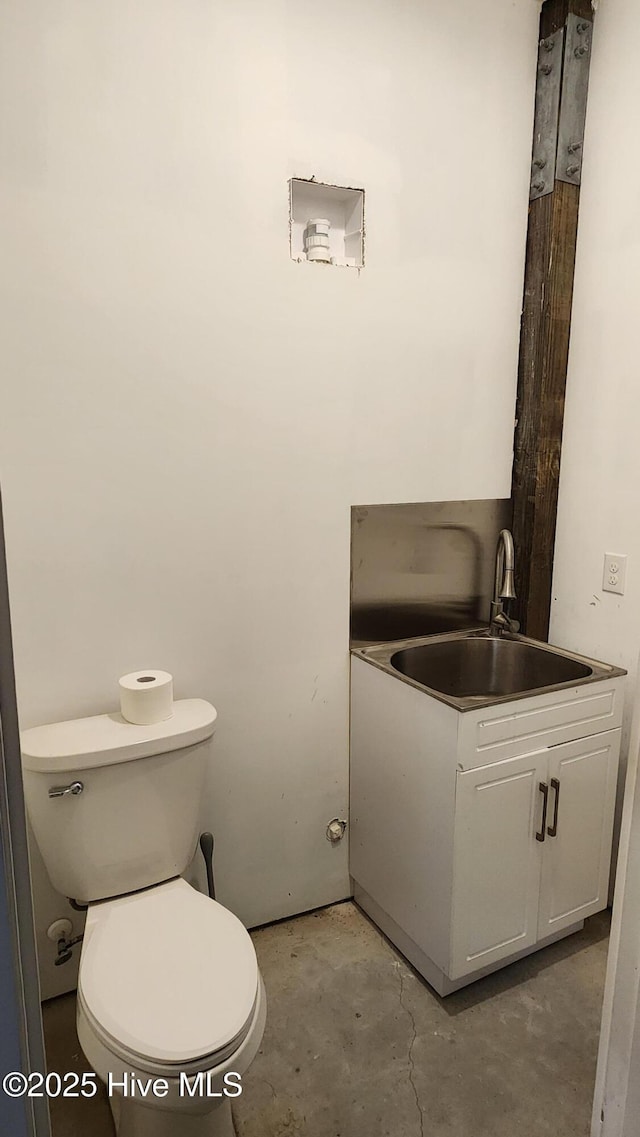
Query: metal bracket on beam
x,y
545,126
573,104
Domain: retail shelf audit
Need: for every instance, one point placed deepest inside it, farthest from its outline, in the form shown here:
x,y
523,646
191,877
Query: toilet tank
x,y
135,820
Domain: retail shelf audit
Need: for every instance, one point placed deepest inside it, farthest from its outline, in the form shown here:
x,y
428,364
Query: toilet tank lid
x,y
103,740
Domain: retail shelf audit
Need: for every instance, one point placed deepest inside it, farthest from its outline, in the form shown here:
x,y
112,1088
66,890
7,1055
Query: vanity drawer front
x,y
526,725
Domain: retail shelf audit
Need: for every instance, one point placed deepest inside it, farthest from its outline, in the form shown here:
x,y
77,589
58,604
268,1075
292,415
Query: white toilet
x,y
169,986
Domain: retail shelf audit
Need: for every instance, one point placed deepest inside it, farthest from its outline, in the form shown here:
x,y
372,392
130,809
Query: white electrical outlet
x,y
614,572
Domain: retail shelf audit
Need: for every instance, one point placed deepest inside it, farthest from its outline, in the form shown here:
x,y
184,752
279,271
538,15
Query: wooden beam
x,y
542,374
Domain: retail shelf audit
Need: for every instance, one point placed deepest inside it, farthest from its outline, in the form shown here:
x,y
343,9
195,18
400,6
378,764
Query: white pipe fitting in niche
x,y
316,240
326,223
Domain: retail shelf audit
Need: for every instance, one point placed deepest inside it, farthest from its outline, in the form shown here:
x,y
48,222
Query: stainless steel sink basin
x,y
492,666
475,669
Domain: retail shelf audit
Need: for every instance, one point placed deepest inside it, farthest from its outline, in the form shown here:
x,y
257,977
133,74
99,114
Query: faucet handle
x,y
500,620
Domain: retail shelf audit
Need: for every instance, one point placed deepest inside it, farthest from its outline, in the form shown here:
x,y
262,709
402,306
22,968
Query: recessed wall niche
x,y
326,223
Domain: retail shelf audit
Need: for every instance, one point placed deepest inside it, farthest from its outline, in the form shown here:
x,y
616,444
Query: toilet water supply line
x,y
206,846
65,949
60,931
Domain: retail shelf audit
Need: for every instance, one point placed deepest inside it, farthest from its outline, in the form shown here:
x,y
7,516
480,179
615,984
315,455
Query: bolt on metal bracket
x,y
545,126
573,103
561,106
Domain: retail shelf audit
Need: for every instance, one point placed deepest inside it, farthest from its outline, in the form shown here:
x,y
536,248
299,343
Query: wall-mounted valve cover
x,y
336,830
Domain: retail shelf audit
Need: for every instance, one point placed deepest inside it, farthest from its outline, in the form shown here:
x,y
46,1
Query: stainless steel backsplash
x,y
423,568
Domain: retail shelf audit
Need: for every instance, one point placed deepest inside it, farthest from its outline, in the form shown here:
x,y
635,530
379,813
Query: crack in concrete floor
x,y
412,1043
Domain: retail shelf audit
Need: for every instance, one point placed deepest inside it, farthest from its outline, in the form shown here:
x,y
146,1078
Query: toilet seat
x,y
168,977
134,1061
211,1095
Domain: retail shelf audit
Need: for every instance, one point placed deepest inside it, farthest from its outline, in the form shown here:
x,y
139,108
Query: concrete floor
x,y
357,1045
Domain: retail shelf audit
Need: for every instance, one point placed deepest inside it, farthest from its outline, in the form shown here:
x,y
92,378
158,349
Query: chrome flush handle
x,y
62,791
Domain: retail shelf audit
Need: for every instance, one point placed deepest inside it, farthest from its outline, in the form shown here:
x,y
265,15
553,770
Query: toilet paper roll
x,y
146,697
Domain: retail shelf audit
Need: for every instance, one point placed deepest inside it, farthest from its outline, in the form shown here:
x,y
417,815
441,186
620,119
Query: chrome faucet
x,y
503,587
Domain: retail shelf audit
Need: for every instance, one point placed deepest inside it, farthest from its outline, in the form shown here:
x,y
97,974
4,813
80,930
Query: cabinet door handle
x,y
544,790
553,828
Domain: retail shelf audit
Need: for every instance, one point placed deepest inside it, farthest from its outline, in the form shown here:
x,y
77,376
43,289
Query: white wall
x,y
188,414
617,1092
598,507
599,487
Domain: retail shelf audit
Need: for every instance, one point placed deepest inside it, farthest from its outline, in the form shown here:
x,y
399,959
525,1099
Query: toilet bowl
x,y
171,1007
169,990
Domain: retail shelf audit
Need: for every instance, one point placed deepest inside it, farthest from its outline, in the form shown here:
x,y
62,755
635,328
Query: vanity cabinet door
x,y
577,848
497,861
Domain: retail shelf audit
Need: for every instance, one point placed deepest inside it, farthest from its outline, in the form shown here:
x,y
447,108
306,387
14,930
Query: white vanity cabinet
x,y
518,878
454,853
